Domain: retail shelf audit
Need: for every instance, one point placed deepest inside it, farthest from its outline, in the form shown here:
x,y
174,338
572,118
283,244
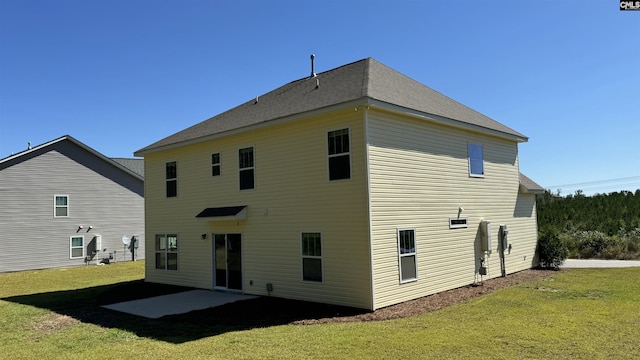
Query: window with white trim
x,y
246,168
407,255
339,153
61,206
76,247
476,161
312,256
171,177
215,164
166,251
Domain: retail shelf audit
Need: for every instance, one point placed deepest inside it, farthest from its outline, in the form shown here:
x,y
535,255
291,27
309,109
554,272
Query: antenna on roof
x,y
313,73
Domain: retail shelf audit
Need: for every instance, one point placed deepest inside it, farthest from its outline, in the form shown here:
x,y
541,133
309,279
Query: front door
x,y
227,261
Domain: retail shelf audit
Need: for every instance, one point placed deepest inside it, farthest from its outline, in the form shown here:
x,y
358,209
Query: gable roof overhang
x,y
25,153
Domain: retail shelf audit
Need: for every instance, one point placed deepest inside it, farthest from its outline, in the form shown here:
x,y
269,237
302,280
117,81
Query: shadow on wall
x,y
525,203
480,259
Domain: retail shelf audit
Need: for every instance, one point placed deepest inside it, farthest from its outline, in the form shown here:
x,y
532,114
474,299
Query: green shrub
x,y
592,244
552,251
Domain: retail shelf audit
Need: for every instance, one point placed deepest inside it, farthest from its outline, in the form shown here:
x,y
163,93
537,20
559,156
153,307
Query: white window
x,y
246,168
215,164
476,162
61,206
407,255
167,251
312,256
76,247
339,154
172,179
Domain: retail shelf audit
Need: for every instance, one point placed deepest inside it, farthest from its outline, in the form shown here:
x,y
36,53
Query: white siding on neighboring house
x,y
419,178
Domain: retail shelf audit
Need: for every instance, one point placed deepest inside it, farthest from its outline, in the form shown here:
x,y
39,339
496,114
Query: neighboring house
x,y
357,186
65,204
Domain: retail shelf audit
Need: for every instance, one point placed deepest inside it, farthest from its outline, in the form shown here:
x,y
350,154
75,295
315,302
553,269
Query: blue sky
x,y
119,75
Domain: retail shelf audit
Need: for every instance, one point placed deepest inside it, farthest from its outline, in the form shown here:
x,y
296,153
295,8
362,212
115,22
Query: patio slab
x,y
179,303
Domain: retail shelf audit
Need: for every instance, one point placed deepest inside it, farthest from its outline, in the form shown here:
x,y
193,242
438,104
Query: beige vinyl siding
x,y
419,177
292,195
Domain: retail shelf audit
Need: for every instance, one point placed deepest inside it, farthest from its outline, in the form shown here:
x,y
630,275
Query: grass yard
x,y
579,314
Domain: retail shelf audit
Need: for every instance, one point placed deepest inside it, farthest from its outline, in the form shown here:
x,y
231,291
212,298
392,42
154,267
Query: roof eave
x,y
447,121
293,117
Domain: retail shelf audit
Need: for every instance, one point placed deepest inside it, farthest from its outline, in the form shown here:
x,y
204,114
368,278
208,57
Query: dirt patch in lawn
x,y
49,323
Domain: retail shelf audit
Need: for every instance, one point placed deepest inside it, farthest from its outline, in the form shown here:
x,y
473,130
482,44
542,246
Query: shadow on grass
x,y
85,306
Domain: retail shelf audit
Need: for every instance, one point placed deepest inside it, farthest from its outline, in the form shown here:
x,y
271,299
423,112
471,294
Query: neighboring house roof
x,y
366,81
135,165
16,157
529,186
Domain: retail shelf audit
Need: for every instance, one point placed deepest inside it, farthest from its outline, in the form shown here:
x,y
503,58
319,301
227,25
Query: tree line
x,y
598,226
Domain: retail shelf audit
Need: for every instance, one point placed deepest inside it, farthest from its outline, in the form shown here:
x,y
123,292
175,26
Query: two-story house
x,y
65,204
357,186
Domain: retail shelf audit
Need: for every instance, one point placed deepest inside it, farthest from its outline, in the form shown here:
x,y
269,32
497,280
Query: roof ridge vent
x,y
313,73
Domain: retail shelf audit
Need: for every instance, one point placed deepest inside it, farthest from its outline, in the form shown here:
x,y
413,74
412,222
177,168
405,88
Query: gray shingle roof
x,y
529,186
366,79
135,165
135,168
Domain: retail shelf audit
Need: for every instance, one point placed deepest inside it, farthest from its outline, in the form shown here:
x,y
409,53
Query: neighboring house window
x,y
407,254
311,257
172,179
76,245
167,251
476,162
339,155
215,164
246,167
61,206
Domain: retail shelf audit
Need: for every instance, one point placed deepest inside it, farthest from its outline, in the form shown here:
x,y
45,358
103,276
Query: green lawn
x,y
579,314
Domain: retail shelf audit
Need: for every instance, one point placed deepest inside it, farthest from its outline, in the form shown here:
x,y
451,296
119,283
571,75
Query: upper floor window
x,y
61,206
172,179
476,162
246,168
339,154
215,164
